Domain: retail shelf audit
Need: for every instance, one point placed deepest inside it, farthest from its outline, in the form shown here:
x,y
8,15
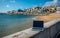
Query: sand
x,y
49,17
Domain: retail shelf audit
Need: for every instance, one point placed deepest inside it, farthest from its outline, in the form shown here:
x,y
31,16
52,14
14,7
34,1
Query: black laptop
x,y
38,25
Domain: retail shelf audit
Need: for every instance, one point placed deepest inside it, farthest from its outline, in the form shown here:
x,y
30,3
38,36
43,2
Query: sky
x,y
8,5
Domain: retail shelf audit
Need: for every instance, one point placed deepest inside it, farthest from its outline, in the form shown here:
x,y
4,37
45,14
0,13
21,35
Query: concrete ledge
x,y
29,32
50,23
50,32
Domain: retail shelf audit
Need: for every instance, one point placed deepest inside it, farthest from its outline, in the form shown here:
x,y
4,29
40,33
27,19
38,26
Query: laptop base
x,y
37,28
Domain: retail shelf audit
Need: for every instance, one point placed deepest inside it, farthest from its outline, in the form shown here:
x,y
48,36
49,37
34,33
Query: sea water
x,y
12,23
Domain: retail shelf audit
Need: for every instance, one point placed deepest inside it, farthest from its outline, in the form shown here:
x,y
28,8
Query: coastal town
x,y
34,10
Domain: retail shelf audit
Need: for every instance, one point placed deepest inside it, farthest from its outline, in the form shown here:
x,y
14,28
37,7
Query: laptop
x,y
38,25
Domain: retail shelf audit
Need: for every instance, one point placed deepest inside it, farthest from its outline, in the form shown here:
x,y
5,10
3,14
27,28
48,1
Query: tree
x,y
19,10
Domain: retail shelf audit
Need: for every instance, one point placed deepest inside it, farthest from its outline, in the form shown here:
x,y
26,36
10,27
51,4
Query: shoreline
x,y
46,20
16,29
13,25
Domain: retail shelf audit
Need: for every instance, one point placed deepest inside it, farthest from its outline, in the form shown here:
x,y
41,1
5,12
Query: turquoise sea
x,y
13,23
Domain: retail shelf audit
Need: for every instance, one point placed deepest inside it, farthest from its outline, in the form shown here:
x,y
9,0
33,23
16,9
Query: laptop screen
x,y
38,24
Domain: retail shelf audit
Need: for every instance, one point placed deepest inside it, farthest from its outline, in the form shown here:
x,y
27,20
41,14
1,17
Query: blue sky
x,y
7,5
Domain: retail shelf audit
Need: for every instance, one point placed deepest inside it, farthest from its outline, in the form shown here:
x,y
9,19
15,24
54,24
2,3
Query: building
x,y
12,12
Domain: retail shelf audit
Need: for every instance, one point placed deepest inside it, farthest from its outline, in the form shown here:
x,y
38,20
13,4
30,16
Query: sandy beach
x,y
49,17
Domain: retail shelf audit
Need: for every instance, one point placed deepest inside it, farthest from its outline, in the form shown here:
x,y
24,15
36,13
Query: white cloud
x,y
55,1
50,3
7,6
